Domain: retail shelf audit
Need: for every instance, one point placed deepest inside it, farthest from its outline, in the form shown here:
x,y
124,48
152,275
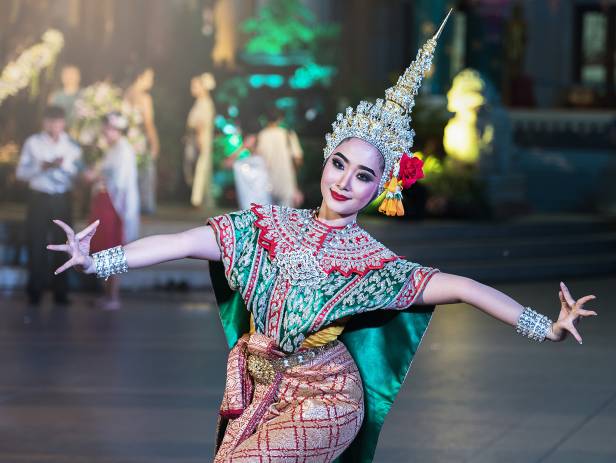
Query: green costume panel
x,y
363,282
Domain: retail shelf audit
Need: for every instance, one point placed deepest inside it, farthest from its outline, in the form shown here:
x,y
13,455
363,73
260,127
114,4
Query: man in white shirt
x,y
49,162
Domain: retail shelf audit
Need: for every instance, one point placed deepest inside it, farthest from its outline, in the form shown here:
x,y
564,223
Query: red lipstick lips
x,y
338,196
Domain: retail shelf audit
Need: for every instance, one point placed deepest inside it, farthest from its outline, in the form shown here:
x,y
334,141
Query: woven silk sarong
x,y
366,287
311,412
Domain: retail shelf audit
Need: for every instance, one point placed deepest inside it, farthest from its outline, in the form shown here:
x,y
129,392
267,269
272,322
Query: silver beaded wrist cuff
x,y
110,262
533,325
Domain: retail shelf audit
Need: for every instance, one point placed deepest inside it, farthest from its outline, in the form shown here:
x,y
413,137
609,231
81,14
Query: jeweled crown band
x,y
533,325
386,124
109,262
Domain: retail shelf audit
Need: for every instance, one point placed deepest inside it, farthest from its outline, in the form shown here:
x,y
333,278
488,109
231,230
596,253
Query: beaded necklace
x,y
300,265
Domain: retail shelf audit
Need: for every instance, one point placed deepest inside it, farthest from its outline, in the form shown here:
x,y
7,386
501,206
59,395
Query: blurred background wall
x,y
547,71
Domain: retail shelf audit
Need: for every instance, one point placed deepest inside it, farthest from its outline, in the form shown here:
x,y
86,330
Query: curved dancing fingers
x,y
563,301
583,300
70,234
567,295
68,264
586,313
77,246
572,311
59,247
89,230
85,236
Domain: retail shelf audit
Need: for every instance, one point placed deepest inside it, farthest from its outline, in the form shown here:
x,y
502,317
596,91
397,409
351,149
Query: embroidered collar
x,y
350,249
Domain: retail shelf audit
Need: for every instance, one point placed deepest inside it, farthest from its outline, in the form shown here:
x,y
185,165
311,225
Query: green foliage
x,y
232,91
284,27
286,32
311,73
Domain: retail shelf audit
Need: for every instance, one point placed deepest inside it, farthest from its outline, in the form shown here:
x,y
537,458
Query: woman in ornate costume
x,y
323,320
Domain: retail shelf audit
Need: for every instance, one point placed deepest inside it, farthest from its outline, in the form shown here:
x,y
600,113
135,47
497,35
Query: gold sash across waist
x,y
263,370
320,338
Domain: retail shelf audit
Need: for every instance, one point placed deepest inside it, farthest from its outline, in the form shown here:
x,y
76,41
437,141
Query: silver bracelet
x,y
110,262
533,325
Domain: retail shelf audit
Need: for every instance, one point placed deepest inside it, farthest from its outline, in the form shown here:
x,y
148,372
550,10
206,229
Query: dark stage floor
x,y
143,384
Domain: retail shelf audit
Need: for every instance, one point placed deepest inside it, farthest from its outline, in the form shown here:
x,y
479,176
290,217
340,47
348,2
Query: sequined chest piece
x,y
306,251
298,263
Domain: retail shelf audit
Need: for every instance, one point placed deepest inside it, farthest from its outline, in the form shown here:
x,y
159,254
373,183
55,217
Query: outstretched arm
x,y
198,243
444,288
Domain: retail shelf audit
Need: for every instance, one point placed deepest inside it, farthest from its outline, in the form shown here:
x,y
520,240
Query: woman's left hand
x,y
571,312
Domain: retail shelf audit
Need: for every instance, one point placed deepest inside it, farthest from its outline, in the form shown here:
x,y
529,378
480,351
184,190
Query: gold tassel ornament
x,y
405,173
392,204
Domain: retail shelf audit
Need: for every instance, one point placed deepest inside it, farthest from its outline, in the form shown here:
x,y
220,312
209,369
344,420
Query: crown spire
x,y
440,29
386,123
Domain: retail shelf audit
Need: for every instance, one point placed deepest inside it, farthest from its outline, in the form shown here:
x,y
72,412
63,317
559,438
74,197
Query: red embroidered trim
x,y
362,254
276,307
253,276
223,230
414,285
231,414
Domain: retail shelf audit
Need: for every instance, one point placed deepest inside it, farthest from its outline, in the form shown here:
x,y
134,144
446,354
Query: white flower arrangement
x,y
25,70
93,104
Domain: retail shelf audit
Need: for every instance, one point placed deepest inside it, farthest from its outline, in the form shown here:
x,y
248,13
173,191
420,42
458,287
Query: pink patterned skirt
x,y
308,413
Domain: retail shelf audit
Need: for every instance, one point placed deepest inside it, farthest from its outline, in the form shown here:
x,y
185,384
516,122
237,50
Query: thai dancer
x,y
323,320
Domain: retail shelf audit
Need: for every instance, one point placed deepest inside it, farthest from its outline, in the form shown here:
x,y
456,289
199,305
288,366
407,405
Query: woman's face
x,y
146,80
71,76
195,87
111,134
351,176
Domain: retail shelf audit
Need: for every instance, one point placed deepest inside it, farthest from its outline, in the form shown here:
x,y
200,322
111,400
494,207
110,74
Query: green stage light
x,y
220,122
268,80
229,129
233,111
310,75
235,140
286,102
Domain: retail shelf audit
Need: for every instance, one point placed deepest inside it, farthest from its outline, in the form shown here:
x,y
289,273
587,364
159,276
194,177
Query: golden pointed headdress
x,y
386,124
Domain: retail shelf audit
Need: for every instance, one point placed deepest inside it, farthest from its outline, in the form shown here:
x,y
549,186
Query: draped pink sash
x,y
323,398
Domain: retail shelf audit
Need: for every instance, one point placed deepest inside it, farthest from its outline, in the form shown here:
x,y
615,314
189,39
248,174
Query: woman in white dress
x,y
200,124
115,198
138,96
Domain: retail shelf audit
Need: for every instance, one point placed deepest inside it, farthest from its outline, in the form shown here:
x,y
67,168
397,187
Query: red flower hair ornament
x,y
410,169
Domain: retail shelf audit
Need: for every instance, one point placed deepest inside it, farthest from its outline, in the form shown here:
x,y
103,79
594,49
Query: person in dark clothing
x,y
49,163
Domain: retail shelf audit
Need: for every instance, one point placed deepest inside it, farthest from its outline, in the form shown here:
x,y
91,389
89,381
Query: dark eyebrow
x,y
344,158
368,169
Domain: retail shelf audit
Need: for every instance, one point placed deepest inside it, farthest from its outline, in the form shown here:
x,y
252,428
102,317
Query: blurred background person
x,y
68,94
115,198
138,96
65,97
252,182
49,162
282,153
198,152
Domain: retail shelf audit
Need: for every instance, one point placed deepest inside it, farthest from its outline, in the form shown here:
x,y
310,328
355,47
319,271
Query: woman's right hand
x,y
77,246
